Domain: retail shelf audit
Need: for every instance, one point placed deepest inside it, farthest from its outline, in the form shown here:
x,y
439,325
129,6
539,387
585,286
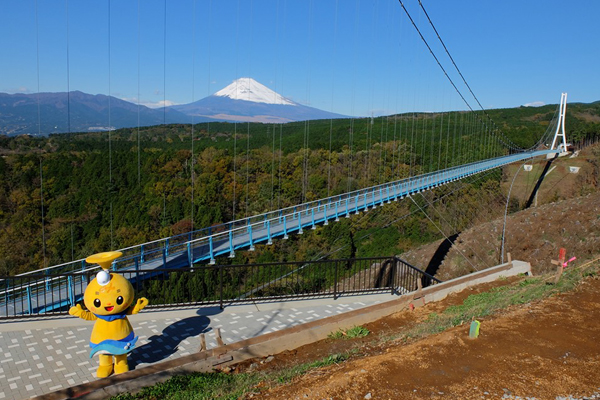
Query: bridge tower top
x,y
560,126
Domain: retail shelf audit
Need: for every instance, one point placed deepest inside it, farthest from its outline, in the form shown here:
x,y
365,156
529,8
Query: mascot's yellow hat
x,y
104,259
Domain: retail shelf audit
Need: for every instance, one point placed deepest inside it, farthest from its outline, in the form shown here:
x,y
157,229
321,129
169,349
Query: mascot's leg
x,y
106,366
121,364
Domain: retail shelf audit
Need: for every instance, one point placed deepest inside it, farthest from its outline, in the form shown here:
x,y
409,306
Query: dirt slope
x,y
542,350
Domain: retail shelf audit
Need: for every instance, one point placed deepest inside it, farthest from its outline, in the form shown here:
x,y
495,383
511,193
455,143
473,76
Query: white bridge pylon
x,y
560,126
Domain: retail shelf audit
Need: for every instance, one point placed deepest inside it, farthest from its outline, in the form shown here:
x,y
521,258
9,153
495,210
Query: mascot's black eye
x,y
120,300
97,303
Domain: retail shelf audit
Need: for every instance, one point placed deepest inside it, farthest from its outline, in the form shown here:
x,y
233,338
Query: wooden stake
x,y
202,342
559,272
218,336
562,255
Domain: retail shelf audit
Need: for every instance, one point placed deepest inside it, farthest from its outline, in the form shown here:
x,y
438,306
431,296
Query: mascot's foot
x,y
120,368
104,370
106,366
121,364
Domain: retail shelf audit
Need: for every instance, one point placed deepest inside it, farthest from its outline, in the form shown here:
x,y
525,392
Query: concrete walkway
x,y
47,354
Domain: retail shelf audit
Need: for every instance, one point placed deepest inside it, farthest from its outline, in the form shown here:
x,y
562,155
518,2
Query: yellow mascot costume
x,y
109,299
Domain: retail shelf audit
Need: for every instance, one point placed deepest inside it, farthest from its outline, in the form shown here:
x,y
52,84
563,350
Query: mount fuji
x,y
246,100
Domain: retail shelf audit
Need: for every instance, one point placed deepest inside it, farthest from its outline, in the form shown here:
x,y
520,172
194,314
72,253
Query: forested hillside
x,y
67,196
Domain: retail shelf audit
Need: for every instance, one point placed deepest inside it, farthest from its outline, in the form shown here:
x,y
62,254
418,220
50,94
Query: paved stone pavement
x,y
43,355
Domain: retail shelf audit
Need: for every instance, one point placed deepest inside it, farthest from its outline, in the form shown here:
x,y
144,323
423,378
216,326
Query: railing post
x,y
137,274
29,300
393,275
285,235
269,240
189,253
6,295
325,216
335,281
82,265
300,232
164,257
211,250
373,199
142,254
251,241
47,281
231,251
167,246
337,218
71,292
313,219
221,287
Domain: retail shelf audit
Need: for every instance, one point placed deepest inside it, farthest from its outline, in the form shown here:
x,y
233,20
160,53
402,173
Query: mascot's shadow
x,y
160,347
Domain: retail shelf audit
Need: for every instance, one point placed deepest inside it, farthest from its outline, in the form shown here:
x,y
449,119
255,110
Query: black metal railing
x,y
25,296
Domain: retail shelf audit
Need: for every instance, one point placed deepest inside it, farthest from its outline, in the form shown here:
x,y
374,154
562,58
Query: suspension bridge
x,y
40,292
192,271
53,289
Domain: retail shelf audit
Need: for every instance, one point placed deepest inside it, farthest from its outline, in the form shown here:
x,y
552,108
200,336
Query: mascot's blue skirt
x,y
114,347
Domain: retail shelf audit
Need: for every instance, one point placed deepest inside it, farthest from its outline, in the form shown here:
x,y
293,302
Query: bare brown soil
x,y
543,350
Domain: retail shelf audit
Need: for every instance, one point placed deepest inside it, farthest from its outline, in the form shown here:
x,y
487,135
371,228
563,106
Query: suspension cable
x,y
110,190
193,99
37,42
442,232
138,96
509,143
332,93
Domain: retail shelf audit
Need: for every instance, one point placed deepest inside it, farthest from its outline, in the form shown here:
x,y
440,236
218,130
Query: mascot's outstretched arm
x,y
77,311
139,306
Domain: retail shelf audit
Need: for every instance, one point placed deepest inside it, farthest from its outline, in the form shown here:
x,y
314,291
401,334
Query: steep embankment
x,y
570,219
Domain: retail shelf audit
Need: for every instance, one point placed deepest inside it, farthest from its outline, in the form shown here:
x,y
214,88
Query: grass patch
x,y
354,332
288,375
199,386
221,386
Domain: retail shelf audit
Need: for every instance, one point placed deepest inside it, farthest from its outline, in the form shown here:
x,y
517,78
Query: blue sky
x,y
354,57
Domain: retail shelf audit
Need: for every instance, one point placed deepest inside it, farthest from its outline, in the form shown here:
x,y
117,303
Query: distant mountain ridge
x,y
19,113
244,100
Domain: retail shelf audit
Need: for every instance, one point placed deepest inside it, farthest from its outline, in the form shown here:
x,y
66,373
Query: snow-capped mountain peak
x,y
250,90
